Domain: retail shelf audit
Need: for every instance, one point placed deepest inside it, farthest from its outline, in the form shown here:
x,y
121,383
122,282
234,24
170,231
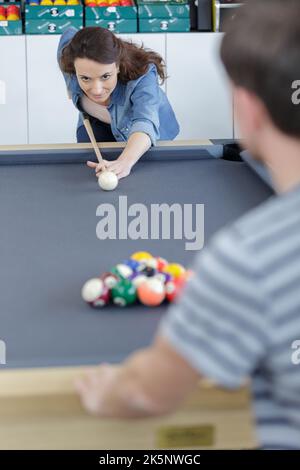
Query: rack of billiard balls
x,y
52,2
109,3
10,12
141,278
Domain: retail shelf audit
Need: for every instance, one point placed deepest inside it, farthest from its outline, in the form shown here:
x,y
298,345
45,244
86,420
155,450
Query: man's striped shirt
x,y
240,316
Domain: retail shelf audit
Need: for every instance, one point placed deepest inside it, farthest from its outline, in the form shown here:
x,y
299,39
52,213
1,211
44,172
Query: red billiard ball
x,y
161,263
95,292
174,288
103,299
109,279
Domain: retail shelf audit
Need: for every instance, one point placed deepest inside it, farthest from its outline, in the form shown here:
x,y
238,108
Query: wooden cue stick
x,y
90,132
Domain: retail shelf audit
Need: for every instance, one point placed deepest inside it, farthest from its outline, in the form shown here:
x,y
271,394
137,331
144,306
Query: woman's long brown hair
x,y
101,45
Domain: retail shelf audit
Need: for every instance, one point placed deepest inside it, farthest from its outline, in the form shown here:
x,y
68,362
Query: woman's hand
x,y
97,166
120,167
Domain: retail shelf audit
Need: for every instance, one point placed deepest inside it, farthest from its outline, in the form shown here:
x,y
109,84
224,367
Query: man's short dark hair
x,y
261,53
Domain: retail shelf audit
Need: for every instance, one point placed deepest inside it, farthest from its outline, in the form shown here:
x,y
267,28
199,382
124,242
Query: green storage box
x,y
55,12
110,13
164,25
152,10
163,16
50,26
44,19
116,26
9,28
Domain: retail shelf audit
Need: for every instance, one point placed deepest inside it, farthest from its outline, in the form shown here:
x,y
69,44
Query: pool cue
x,y
90,132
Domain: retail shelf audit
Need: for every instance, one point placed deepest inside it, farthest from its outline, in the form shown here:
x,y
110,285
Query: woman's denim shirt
x,y
136,106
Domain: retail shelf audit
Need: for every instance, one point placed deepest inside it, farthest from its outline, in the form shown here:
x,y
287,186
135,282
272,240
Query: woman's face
x,y
96,80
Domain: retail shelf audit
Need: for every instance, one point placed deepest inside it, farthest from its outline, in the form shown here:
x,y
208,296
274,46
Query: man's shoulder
x,y
274,220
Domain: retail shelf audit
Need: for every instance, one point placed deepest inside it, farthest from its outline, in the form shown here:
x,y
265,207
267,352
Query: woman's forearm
x,y
137,144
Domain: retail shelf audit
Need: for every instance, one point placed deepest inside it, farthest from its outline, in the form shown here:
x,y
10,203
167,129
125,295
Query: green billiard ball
x,y
122,271
124,293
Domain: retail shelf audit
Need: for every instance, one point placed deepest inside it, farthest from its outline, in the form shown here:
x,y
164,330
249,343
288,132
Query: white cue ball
x,y
108,180
92,289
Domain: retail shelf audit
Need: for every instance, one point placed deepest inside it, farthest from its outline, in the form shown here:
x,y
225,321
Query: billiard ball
x,y
109,279
103,299
161,263
174,288
175,269
92,289
132,263
151,292
150,263
146,270
138,279
122,271
164,277
141,256
108,180
124,293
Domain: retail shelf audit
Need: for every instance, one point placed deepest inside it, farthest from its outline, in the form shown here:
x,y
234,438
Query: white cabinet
x,y
52,116
198,88
13,99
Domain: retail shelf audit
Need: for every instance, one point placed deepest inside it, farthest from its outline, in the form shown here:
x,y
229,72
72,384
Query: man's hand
x,y
151,382
94,387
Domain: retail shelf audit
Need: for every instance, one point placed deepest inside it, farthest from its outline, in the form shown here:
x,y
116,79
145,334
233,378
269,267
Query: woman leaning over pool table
x,y
117,84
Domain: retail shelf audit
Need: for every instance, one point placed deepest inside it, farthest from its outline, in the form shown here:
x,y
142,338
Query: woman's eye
x,y
84,79
106,77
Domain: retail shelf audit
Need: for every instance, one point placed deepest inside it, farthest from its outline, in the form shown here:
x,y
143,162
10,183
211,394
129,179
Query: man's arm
x,y
152,381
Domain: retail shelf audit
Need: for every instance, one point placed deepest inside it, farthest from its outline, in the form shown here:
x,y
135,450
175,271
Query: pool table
x,y
49,248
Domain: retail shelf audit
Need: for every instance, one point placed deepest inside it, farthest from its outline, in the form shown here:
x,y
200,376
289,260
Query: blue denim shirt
x,y
136,106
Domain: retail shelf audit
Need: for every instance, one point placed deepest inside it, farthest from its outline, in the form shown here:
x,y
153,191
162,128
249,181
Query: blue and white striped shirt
x,y
240,315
